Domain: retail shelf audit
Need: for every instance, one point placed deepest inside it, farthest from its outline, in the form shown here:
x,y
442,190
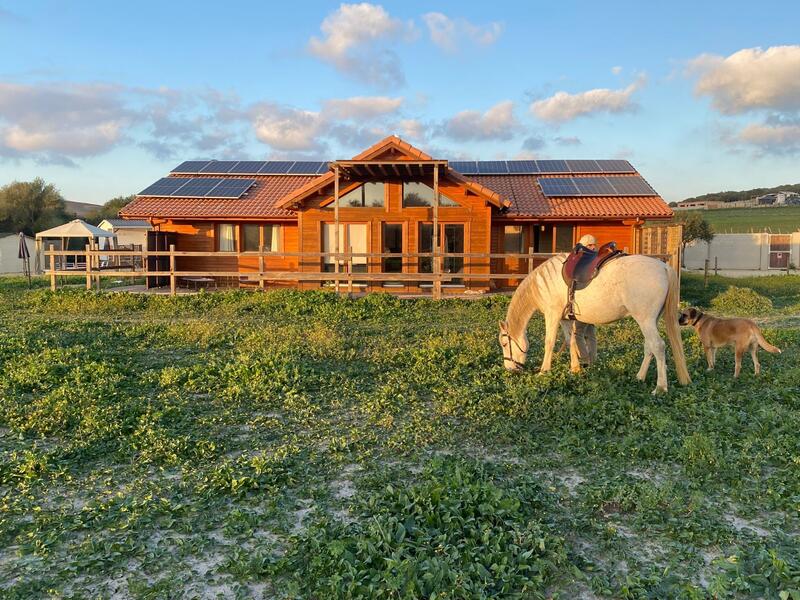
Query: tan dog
x,y
715,332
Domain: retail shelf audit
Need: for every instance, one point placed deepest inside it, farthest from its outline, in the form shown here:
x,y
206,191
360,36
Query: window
x,y
369,195
226,236
544,238
416,193
393,242
251,237
425,245
352,238
272,238
454,242
564,238
513,239
553,238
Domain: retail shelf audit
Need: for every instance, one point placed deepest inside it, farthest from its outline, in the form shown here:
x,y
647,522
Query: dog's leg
x,y
738,360
754,354
710,358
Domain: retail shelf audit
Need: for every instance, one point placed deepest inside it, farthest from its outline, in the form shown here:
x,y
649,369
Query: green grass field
x,y
785,219
301,445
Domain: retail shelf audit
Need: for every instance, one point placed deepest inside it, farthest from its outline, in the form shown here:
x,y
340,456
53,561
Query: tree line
x,y
32,206
731,196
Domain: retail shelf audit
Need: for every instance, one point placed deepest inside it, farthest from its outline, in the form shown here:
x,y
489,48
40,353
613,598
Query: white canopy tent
x,y
70,236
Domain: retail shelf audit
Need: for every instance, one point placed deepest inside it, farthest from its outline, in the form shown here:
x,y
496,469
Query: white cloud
x,y
285,128
616,70
563,107
61,119
447,33
750,79
771,138
412,128
496,123
569,140
351,42
361,107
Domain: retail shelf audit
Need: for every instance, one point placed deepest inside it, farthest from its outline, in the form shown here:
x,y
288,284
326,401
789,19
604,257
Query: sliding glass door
x,y
452,238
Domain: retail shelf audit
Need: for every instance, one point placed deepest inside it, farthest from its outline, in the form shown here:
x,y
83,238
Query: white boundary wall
x,y
737,251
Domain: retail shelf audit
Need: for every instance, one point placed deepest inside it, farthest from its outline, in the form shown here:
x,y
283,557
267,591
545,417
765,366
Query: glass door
x,y
352,238
454,242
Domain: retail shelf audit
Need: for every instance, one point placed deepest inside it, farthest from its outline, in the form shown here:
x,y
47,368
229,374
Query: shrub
x,y
741,301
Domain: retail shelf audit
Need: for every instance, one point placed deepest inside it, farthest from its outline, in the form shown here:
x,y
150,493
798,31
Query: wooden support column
x,y
530,259
437,282
350,272
261,263
336,222
88,266
172,282
52,269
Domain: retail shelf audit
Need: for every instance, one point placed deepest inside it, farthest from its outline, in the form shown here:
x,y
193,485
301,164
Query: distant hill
x,y
745,194
80,209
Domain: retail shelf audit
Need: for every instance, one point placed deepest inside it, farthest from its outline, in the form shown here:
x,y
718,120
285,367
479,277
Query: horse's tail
x,y
671,307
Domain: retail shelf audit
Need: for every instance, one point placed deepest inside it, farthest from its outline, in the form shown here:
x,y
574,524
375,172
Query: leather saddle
x,y
583,265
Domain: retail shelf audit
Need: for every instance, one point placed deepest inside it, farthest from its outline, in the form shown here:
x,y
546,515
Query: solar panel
x,y
190,166
593,186
465,167
323,168
558,186
219,166
631,186
522,167
276,167
552,166
584,166
164,186
492,167
304,167
197,187
247,167
616,166
230,188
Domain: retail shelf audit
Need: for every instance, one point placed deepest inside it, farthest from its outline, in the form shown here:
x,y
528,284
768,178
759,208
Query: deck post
x,y
172,282
144,264
350,272
52,269
530,259
261,265
437,282
88,267
336,223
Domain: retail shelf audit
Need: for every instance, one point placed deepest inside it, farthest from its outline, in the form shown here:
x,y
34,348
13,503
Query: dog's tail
x,y
764,343
671,308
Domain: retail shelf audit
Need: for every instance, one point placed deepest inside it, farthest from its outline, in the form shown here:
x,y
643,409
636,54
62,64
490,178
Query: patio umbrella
x,y
25,255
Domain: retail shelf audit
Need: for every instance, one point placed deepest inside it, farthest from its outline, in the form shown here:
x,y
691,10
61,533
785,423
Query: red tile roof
x,y
529,201
271,196
259,202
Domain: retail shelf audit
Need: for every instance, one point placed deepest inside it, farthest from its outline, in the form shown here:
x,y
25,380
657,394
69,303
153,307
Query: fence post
x,y
705,274
716,266
172,269
88,267
144,263
350,271
530,259
261,266
52,269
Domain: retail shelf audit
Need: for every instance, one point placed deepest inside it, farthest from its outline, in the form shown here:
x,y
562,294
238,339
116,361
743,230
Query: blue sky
x,y
103,98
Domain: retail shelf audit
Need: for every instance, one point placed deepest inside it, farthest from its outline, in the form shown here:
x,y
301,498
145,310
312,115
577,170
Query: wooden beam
x,y
336,220
437,283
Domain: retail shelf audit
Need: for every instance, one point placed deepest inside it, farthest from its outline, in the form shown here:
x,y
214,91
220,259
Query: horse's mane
x,y
529,295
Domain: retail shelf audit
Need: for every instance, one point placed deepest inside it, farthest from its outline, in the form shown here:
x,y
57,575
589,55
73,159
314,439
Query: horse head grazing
x,y
515,351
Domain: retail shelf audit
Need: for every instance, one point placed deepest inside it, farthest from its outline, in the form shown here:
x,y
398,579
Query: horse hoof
x,y
641,377
659,390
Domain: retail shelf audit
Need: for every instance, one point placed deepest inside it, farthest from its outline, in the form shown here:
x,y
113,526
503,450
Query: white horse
x,y
630,286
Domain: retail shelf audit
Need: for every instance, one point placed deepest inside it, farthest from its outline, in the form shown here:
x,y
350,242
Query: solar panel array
x,y
252,167
198,187
537,167
596,186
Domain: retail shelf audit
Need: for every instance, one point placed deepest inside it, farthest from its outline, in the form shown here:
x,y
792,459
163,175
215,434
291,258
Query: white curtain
x,y
271,238
227,237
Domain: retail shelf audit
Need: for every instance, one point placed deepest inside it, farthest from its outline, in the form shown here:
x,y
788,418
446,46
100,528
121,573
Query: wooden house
x,y
387,204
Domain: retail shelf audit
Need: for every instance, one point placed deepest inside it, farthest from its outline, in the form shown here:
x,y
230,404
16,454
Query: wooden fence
x,y
98,263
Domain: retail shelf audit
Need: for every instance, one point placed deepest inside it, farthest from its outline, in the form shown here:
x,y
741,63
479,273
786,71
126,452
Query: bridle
x,y
510,357
699,315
